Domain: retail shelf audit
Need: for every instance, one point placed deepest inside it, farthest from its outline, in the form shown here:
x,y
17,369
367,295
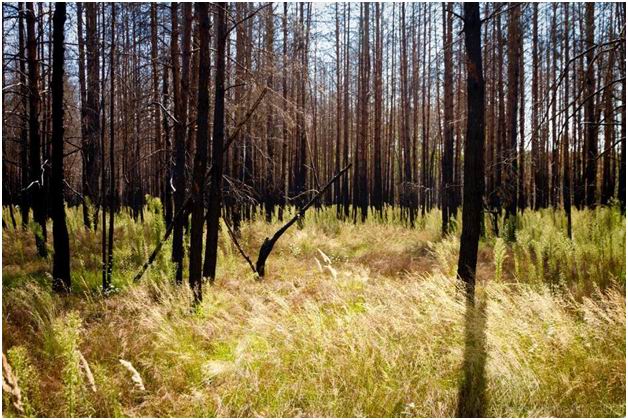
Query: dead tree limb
x,y
237,244
183,212
269,243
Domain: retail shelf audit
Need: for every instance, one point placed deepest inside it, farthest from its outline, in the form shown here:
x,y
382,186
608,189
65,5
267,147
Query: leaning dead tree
x,y
269,243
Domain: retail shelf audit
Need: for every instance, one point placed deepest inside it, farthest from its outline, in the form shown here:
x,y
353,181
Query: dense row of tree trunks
x,y
132,118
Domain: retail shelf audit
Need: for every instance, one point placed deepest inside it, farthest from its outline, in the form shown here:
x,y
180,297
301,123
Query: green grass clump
x,y
27,379
595,257
67,335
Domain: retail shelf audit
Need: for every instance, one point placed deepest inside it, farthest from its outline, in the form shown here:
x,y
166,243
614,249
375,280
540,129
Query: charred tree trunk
x,y
537,193
566,168
112,173
589,109
24,196
61,261
218,136
360,187
83,111
158,160
513,103
621,190
36,176
93,152
447,169
180,102
473,151
198,175
377,190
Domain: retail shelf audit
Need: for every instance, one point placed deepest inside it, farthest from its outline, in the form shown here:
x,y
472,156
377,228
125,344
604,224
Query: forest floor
x,y
350,320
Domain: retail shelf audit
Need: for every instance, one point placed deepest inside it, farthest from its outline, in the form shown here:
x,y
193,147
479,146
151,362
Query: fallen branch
x,y
269,243
237,244
183,212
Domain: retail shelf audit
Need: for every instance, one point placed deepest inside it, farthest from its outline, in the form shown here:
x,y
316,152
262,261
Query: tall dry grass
x,y
363,339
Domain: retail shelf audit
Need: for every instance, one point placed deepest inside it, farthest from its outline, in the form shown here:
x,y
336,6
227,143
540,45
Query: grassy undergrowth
x,y
351,320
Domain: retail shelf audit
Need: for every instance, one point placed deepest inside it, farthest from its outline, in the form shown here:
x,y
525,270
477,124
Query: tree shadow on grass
x,y
472,391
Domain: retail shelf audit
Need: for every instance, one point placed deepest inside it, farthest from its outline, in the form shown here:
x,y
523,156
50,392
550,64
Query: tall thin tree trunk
x,y
61,261
180,102
566,168
36,176
218,136
589,109
112,172
513,103
448,149
93,149
24,195
473,150
377,192
83,111
198,175
360,188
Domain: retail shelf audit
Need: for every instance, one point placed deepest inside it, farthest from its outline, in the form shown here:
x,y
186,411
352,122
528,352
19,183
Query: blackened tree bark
x,y
92,149
621,189
447,169
407,193
270,188
513,103
377,190
345,112
168,210
198,175
360,187
24,201
83,97
608,181
566,166
112,173
338,188
36,184
158,161
473,150
589,109
537,194
218,137
284,103
179,142
301,161
521,175
61,261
